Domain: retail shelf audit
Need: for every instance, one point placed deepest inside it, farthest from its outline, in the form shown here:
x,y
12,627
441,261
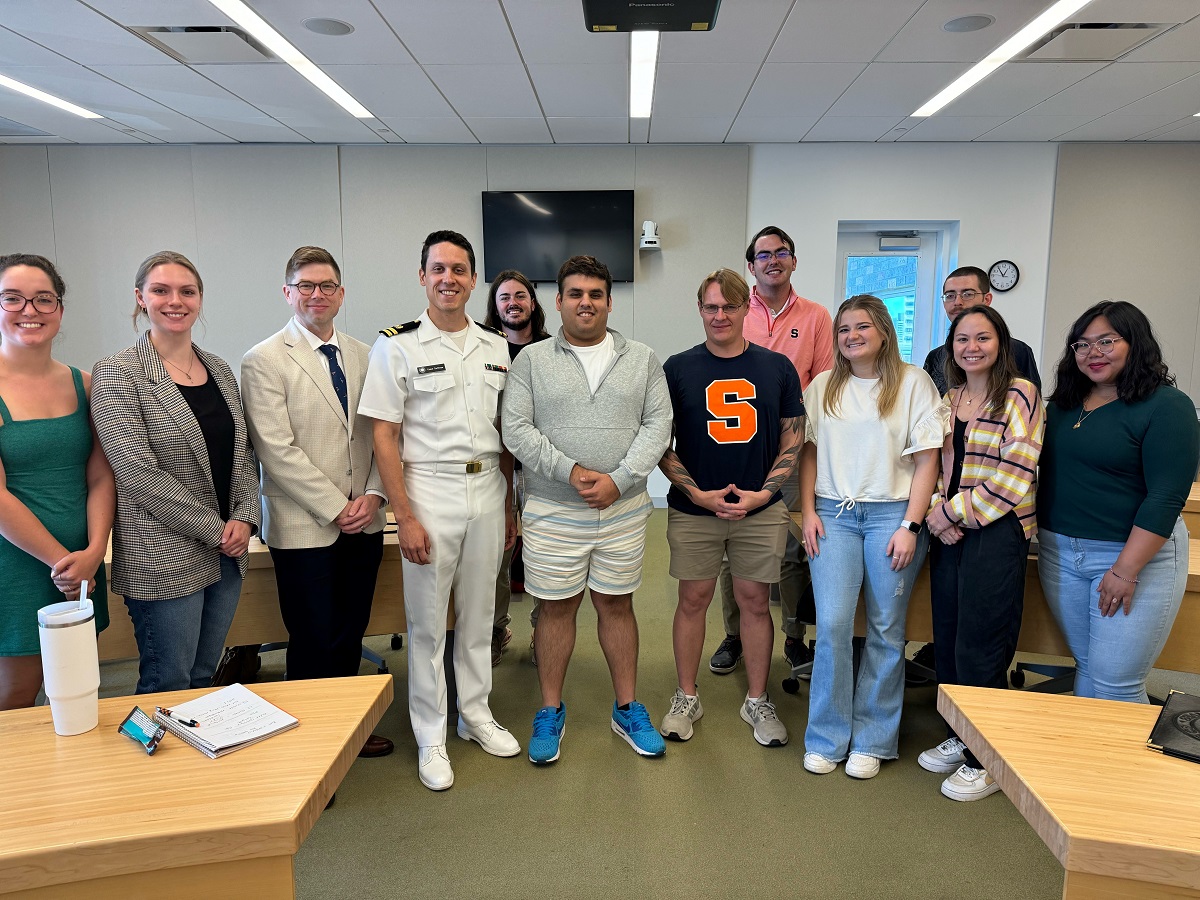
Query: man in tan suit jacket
x,y
322,496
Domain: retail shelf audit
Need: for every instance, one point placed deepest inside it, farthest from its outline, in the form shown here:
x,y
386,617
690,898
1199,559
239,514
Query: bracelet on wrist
x,y
1122,577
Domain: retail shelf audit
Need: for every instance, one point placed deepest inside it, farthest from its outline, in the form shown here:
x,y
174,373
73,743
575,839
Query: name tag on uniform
x,y
425,370
491,367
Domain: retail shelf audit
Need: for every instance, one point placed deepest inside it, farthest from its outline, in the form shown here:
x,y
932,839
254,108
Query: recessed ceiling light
x,y
968,23
330,27
22,88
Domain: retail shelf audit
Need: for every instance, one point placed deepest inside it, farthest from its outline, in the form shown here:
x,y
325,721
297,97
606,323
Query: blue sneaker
x,y
548,727
634,725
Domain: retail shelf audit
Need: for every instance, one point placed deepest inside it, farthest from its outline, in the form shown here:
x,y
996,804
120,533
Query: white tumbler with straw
x,y
70,663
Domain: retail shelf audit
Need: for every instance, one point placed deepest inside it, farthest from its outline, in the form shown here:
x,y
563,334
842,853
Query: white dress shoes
x,y
492,737
434,767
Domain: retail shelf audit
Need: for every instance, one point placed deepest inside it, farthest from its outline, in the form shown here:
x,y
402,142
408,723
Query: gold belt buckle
x,y
474,467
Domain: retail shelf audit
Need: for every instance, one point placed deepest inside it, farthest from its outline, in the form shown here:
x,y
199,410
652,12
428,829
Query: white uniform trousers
x,y
464,518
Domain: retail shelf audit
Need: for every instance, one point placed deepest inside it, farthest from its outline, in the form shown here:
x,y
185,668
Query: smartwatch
x,y
914,527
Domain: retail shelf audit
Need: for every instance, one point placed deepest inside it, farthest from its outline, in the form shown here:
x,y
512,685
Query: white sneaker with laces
x,y
859,765
817,764
491,736
969,784
945,758
760,715
685,710
433,765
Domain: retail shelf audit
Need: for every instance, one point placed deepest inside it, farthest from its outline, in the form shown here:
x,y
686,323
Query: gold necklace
x,y
187,373
1084,412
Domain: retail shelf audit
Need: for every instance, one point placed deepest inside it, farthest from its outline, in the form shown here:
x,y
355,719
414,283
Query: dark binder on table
x,y
1177,731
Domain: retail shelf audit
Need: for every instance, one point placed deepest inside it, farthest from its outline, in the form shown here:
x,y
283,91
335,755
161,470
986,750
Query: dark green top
x,y
1126,464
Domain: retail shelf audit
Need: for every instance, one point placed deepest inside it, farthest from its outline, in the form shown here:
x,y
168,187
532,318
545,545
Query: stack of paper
x,y
229,719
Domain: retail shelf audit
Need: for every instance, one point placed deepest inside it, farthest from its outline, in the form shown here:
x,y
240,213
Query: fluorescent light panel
x,y
280,46
1050,19
33,92
643,58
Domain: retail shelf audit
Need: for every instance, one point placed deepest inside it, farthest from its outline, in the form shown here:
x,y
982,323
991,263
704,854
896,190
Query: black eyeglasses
x,y
966,296
44,302
783,254
1104,345
306,288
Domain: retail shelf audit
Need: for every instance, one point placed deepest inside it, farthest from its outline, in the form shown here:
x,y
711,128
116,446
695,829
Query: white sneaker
x,y
944,758
492,737
760,715
433,766
817,764
969,784
859,765
677,723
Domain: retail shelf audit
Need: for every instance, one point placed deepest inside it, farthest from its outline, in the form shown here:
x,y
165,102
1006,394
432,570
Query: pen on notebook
x,y
191,723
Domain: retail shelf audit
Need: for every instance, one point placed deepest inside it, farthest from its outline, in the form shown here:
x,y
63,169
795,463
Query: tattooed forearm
x,y
791,441
671,466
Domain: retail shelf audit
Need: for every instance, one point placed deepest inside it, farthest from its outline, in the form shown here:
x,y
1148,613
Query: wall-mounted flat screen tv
x,y
536,231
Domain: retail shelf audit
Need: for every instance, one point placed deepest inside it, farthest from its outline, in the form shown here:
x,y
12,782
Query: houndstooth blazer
x,y
168,528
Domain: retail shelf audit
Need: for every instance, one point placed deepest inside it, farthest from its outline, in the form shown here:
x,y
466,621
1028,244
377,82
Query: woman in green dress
x,y
57,495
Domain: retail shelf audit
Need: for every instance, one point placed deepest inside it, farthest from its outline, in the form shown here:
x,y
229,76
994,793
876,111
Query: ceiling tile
x,y
1029,127
77,32
769,129
1113,87
510,131
443,130
951,128
1182,43
1115,127
1138,11
1189,131
260,130
686,90
672,130
156,12
19,51
322,131
886,89
594,90
43,117
177,87
451,31
1179,100
799,89
402,91
493,91
851,128
820,31
555,33
274,88
371,42
1016,87
48,139
639,131
923,37
592,130
741,34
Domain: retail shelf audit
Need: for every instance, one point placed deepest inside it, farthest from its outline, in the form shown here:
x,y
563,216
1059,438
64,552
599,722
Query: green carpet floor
x,y
718,816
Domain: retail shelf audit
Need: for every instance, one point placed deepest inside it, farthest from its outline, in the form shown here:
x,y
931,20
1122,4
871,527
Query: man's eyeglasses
x,y
783,254
1104,345
44,302
711,309
306,288
967,296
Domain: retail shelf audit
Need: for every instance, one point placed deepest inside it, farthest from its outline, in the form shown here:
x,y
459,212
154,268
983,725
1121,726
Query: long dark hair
x,y
537,318
1145,370
1003,371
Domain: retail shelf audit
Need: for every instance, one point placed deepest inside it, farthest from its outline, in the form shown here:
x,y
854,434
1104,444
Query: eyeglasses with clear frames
x,y
783,254
967,296
711,309
1104,345
45,302
306,288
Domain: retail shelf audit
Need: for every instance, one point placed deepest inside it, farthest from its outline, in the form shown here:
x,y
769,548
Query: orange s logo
x,y
736,420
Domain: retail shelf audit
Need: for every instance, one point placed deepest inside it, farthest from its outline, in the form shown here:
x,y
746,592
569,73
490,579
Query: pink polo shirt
x,y
803,332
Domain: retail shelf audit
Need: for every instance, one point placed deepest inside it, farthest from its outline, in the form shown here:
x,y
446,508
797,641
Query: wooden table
x,y
93,816
1191,511
1122,820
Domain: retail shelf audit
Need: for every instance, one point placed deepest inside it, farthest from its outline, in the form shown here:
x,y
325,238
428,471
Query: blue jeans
x,y
1113,654
863,717
180,640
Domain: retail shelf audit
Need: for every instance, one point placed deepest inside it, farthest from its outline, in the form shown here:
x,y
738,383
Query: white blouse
x,y
863,457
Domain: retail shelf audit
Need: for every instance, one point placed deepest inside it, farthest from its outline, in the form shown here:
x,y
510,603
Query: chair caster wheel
x,y
791,685
397,641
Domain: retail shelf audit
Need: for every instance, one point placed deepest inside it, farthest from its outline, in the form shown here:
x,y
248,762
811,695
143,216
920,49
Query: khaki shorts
x,y
754,545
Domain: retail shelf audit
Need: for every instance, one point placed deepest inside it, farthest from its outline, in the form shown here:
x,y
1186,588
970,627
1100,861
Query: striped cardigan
x,y
999,472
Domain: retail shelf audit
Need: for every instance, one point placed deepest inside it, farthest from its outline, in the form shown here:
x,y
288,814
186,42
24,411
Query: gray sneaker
x,y
677,723
760,715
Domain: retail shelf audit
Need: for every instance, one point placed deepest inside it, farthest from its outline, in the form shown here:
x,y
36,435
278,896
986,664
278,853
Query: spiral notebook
x,y
1177,731
228,719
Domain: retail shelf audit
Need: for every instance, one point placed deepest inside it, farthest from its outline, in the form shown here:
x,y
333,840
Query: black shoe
x,y
923,658
796,652
726,658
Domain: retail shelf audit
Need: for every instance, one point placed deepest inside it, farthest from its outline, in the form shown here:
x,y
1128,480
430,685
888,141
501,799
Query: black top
x,y
727,417
935,365
216,423
960,453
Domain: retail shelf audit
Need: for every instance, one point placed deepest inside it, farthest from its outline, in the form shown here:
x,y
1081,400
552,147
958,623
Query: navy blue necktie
x,y
338,376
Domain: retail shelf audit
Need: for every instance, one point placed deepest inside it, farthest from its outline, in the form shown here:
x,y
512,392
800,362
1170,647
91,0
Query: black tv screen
x,y
535,232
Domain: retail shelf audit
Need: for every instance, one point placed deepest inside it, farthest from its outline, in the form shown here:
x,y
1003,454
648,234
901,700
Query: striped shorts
x,y
570,546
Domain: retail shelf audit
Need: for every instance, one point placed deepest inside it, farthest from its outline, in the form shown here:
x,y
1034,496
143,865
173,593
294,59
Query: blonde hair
x,y
152,262
733,287
888,364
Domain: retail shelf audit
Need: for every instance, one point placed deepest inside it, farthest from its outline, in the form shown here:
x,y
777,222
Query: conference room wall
x,y
1002,196
1127,227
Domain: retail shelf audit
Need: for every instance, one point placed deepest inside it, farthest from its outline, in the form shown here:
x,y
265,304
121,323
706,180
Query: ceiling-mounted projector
x,y
650,15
